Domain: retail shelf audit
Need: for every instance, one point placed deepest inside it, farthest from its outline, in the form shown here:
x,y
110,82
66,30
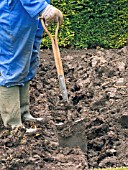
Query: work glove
x,y
52,14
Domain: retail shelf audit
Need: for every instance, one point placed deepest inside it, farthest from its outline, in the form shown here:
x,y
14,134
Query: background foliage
x,y
89,23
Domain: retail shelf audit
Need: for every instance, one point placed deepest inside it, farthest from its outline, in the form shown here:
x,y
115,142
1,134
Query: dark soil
x,y
97,84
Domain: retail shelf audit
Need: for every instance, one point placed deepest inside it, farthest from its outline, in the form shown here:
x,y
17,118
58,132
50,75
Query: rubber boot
x,y
10,106
25,102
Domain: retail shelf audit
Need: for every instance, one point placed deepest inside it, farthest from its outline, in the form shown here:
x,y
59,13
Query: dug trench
x,y
89,131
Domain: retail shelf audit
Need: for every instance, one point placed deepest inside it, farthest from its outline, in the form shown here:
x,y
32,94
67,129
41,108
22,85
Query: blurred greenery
x,y
89,23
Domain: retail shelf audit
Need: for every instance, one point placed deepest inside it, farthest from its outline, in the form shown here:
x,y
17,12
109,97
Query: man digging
x,y
20,39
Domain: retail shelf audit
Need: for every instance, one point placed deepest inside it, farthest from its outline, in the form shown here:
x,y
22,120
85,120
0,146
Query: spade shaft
x,y
58,61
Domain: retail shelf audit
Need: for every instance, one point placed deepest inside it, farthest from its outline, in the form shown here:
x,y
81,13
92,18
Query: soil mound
x,y
97,84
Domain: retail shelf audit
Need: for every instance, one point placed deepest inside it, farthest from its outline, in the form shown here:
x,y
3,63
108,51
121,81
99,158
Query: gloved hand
x,y
52,14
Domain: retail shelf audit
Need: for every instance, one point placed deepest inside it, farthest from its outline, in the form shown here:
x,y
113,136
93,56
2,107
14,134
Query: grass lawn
x,y
125,168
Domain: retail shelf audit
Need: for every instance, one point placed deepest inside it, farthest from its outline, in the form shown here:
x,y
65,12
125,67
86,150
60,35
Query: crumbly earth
x,y
97,85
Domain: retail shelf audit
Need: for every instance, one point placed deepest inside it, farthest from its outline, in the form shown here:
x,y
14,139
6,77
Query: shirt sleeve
x,y
33,7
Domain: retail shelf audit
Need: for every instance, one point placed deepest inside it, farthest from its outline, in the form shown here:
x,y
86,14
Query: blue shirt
x,y
20,39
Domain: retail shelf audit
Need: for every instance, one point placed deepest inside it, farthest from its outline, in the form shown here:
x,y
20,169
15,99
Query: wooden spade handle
x,y
56,51
58,61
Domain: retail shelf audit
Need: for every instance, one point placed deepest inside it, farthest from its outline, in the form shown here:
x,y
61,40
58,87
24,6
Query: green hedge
x,y
92,23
